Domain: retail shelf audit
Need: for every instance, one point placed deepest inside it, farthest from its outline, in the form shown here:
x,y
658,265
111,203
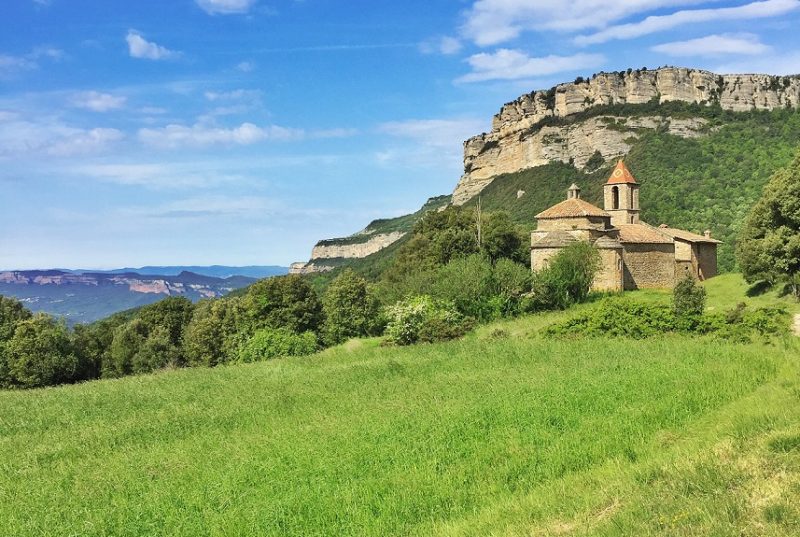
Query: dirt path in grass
x,y
796,325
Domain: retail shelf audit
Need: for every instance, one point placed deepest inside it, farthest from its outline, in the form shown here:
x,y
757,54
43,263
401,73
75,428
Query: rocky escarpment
x,y
527,132
353,247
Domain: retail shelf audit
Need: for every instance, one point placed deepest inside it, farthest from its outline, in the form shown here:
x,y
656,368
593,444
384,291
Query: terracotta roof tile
x,y
688,235
572,208
554,239
643,233
621,175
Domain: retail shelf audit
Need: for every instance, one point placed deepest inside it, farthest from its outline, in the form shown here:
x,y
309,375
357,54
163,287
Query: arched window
x,y
615,197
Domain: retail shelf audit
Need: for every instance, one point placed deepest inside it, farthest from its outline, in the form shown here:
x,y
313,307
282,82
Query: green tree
x,y
769,243
40,353
127,341
283,302
214,335
172,313
350,308
11,313
501,238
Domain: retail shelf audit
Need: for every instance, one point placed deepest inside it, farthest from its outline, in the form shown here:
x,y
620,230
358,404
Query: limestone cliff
x,y
534,129
344,248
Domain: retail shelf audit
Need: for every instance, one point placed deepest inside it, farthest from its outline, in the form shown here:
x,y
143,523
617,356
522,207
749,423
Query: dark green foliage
x,y
769,247
12,312
269,343
351,309
40,353
153,339
501,238
479,289
172,314
215,332
283,302
624,317
424,319
567,278
688,298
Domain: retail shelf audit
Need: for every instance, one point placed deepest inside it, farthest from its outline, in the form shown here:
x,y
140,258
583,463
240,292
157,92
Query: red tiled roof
x,y
642,233
572,208
688,236
621,175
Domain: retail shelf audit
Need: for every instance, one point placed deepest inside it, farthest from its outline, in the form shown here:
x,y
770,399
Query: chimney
x,y
707,233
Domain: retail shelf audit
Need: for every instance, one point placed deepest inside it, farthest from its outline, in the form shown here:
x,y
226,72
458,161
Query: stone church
x,y
634,255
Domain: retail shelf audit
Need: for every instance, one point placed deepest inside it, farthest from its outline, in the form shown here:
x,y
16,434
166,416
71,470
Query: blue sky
x,y
241,131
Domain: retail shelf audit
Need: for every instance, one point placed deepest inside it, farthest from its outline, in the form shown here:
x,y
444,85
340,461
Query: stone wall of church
x,y
610,275
540,257
706,260
649,265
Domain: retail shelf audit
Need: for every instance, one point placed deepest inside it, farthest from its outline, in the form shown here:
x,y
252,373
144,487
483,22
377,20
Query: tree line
x,y
459,268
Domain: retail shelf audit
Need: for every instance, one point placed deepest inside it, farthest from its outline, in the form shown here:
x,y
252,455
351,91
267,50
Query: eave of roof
x,y
688,236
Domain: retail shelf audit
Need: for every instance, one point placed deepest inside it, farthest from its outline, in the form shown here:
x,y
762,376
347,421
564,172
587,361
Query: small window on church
x,y
631,220
615,197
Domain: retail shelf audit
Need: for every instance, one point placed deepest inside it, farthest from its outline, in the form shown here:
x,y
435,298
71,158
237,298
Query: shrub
x,y
511,282
567,279
423,318
688,298
351,310
468,284
625,317
274,342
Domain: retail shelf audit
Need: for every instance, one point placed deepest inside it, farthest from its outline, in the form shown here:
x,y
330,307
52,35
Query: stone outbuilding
x,y
633,254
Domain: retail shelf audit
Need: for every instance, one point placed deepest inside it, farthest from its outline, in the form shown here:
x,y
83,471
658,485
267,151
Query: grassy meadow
x,y
501,433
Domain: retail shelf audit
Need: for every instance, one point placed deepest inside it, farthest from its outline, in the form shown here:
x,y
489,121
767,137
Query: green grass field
x,y
502,433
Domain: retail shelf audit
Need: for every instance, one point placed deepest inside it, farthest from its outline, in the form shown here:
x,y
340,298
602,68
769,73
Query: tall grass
x,y
499,433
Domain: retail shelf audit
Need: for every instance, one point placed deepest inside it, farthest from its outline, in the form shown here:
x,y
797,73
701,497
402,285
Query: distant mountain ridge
x,y
216,271
86,296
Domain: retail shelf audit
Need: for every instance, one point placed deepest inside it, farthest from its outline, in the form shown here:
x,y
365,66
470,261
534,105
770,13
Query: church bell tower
x,y
621,196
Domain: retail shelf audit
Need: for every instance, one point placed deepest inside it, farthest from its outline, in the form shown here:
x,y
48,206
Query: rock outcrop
x,y
527,133
353,247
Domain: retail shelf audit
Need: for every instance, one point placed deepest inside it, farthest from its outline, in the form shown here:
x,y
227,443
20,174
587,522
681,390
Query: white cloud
x,y
246,67
507,64
658,23
11,64
715,45
489,22
139,47
173,136
98,102
441,45
85,142
157,176
787,63
225,7
19,137
428,142
233,95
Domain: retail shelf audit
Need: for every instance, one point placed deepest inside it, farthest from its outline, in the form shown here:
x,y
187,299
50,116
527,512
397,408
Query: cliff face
x,y
521,139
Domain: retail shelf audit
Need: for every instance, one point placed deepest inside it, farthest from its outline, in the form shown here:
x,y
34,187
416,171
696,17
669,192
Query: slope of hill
x,y
494,434
329,254
215,271
87,297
